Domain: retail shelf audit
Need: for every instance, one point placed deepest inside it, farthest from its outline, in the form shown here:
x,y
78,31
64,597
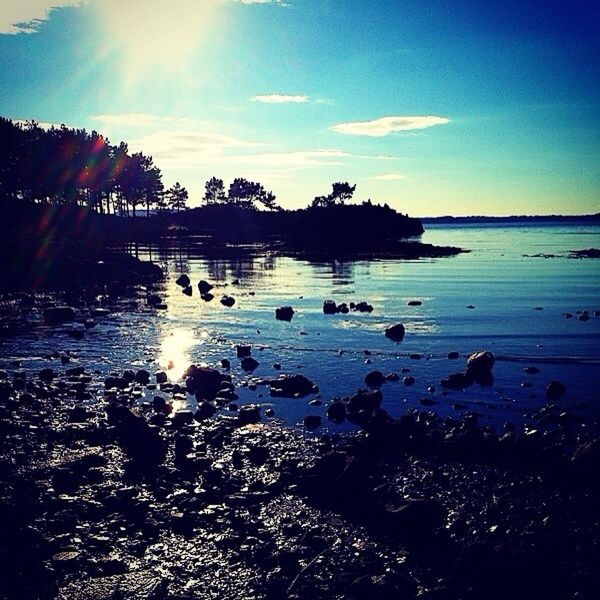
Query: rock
x,y
154,300
142,377
414,356
248,414
395,332
329,307
89,323
531,370
392,377
243,350
58,314
362,307
480,364
336,412
375,379
78,414
414,303
142,443
187,290
312,422
284,313
453,355
47,375
248,363
159,404
291,386
428,402
76,334
277,366
228,301
456,381
204,382
207,297
364,400
161,377
205,411
225,364
204,287
408,380
555,390
183,281
182,417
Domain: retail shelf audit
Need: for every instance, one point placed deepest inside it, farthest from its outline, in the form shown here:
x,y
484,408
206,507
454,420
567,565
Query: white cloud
x,y
387,125
25,16
280,98
389,177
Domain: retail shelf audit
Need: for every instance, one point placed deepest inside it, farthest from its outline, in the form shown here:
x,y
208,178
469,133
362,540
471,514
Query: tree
x,y
214,191
245,193
176,197
341,192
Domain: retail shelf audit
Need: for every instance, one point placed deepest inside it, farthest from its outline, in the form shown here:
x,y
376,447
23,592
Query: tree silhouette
x,y
63,165
246,193
341,192
214,191
176,197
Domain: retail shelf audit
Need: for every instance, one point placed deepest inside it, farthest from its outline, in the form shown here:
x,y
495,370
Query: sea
x,y
510,294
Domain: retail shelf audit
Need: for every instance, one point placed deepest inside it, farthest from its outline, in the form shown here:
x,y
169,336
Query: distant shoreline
x,y
595,218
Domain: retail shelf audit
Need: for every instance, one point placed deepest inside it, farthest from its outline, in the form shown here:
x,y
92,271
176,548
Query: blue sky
x,y
435,107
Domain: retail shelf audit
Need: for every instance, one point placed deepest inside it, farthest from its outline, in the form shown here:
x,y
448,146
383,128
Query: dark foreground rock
x,y
225,505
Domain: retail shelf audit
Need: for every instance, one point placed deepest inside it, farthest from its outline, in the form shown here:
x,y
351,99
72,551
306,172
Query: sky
x,y
436,107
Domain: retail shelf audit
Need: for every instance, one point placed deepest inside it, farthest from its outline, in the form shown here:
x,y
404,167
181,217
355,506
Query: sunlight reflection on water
x,y
175,350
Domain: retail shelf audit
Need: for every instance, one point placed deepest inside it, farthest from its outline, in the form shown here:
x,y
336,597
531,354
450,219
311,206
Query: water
x,y
519,302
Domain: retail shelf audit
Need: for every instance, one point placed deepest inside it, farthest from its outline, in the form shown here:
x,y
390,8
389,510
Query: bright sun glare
x,y
156,33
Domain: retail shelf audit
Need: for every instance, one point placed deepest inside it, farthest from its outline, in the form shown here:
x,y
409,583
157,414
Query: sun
x,y
155,34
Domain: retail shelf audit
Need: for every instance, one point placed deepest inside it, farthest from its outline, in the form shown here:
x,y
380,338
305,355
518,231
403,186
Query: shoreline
x,y
79,465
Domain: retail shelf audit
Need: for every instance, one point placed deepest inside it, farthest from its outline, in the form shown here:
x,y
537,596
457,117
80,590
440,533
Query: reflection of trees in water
x,y
245,268
340,272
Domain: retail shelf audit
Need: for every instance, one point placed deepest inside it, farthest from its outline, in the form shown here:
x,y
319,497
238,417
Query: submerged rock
x,y
336,411
291,386
312,422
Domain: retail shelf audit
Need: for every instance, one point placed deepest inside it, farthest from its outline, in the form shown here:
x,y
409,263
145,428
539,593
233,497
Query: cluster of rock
x,y
331,308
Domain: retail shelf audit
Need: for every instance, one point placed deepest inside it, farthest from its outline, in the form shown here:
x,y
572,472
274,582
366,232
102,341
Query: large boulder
x,y
291,386
58,314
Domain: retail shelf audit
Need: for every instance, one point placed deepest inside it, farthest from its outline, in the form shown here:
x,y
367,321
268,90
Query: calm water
x,y
506,288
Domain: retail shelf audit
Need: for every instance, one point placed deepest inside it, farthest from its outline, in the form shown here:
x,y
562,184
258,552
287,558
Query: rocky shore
x,y
104,496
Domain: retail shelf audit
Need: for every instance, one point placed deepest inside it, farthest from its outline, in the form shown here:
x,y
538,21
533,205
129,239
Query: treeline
x,y
62,165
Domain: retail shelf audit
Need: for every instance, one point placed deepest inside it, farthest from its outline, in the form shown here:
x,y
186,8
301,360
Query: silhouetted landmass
x,y
52,246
